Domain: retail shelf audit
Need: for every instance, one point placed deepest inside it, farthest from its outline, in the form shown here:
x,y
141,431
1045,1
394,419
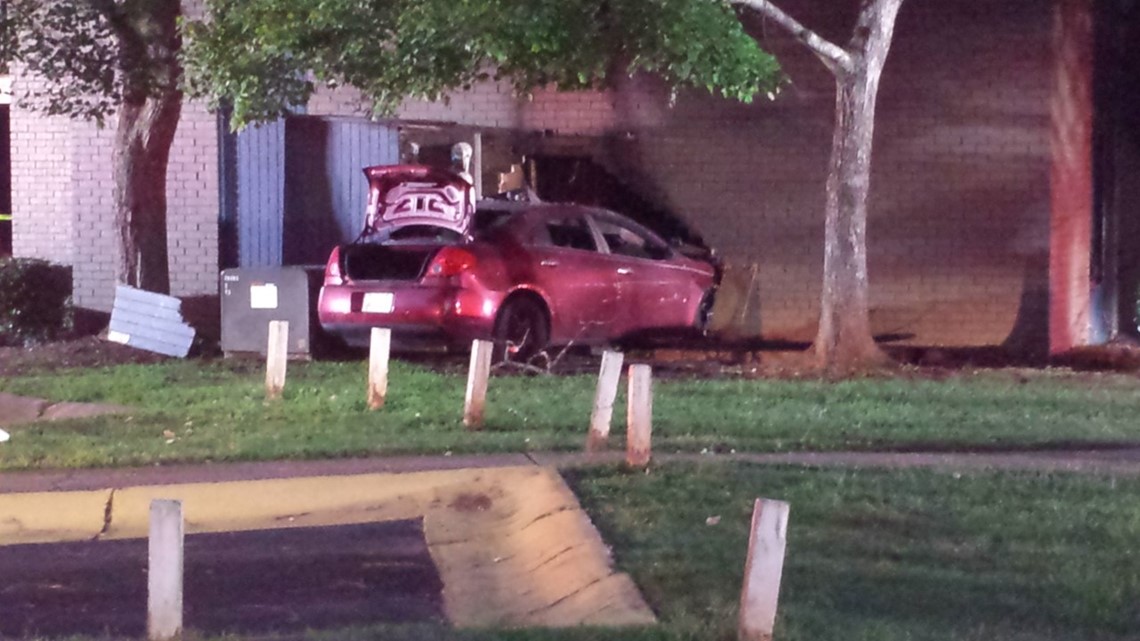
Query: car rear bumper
x,y
450,314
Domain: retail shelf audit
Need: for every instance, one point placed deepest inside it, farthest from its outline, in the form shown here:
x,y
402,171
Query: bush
x,y
35,301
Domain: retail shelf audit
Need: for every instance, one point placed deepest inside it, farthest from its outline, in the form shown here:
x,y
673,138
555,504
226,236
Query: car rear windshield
x,y
488,220
485,222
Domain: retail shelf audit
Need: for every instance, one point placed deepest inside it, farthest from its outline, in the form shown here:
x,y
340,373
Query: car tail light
x,y
451,261
332,269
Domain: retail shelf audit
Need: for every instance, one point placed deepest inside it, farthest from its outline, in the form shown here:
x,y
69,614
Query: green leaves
x,y
91,54
267,56
71,46
698,43
34,300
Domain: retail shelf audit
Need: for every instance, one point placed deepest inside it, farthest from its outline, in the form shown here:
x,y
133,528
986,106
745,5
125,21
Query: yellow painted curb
x,y
512,545
38,517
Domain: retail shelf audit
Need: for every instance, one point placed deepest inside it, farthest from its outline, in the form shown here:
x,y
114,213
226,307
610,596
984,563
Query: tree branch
x,y
833,56
114,15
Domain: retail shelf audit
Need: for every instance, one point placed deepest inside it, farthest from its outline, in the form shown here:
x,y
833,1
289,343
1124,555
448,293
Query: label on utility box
x,y
263,296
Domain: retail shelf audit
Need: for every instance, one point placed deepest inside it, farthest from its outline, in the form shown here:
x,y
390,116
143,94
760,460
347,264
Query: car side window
x,y
627,241
570,232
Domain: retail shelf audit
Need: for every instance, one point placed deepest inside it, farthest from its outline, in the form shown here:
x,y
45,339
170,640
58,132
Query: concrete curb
x,y
512,545
36,517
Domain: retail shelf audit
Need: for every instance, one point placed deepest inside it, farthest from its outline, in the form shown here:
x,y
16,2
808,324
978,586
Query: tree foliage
x,y
263,57
81,52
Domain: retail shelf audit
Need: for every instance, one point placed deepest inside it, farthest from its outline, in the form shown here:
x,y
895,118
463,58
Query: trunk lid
x,y
402,196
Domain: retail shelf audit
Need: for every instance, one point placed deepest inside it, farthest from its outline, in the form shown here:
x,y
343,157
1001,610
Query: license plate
x,y
378,302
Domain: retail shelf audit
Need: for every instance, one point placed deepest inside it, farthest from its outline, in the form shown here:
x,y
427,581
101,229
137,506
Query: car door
x,y
654,291
573,274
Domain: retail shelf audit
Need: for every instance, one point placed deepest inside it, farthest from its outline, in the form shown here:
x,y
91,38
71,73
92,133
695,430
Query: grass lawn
x,y
196,411
872,555
882,555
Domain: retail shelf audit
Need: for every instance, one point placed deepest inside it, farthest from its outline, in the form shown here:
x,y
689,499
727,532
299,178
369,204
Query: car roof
x,y
542,208
495,204
535,212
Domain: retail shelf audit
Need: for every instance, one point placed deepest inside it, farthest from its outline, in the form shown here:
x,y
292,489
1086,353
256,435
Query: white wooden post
x,y
762,570
608,379
477,374
379,350
639,416
164,571
276,356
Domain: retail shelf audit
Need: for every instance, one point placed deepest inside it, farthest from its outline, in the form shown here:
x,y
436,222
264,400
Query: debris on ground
x,y
150,321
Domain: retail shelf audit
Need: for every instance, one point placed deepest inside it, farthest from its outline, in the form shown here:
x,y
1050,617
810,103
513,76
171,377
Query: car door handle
x,y
624,271
549,263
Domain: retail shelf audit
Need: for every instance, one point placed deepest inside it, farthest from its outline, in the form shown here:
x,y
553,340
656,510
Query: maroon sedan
x,y
429,263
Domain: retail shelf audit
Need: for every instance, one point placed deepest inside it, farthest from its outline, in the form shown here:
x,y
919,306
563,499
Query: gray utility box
x,y
254,296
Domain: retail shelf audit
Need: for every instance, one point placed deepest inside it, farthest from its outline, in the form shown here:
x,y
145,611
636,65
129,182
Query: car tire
x,y
521,330
704,314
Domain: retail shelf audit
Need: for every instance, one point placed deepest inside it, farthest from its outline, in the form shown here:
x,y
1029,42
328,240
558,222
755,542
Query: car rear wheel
x,y
521,330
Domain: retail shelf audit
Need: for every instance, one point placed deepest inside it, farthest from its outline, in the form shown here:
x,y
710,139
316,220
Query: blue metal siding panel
x,y
353,146
260,176
343,149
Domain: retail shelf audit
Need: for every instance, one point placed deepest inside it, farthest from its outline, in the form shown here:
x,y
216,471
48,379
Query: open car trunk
x,y
368,261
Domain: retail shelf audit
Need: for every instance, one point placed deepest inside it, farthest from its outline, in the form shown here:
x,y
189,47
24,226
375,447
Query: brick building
x,y
984,144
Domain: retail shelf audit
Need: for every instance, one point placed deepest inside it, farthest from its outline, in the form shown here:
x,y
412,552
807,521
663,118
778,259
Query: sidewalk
x,y
1110,461
22,409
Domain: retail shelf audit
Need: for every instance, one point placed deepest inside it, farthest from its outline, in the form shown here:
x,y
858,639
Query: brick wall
x,y
192,207
94,233
62,201
41,187
493,105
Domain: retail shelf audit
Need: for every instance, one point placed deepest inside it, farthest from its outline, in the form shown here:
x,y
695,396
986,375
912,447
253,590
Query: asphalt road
x,y
261,581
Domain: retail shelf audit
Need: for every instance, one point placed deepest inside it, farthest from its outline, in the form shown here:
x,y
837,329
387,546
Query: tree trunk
x,y
147,34
844,342
142,150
